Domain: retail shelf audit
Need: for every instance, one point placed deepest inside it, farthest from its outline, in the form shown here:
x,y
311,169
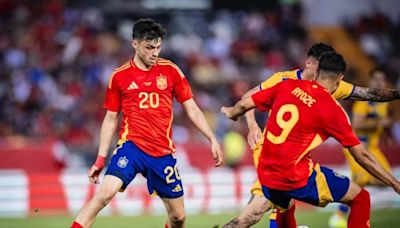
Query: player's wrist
x,y
100,161
252,125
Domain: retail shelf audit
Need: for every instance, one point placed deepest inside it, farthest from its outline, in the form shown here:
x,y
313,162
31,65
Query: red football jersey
x,y
303,114
145,99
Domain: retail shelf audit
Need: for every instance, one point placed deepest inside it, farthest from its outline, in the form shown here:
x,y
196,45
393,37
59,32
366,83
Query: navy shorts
x,y
161,172
324,186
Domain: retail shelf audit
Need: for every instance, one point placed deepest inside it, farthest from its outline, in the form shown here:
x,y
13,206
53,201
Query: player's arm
x,y
107,130
255,133
112,103
336,124
369,163
239,108
374,94
197,117
262,100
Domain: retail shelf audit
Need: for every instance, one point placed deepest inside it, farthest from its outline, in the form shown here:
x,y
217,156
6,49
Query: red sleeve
x,y
181,88
112,100
338,126
265,98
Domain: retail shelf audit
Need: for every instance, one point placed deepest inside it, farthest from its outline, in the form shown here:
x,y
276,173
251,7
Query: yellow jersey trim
x,y
314,143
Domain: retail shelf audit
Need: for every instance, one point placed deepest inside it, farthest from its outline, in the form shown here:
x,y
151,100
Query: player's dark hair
x,y
148,29
332,63
319,49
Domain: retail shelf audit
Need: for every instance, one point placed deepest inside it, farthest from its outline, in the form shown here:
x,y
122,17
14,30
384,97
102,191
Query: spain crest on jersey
x,y
161,82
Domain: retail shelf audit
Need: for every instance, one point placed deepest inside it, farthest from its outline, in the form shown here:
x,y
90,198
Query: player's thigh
x,y
175,207
109,186
164,177
324,186
332,186
124,162
277,198
352,192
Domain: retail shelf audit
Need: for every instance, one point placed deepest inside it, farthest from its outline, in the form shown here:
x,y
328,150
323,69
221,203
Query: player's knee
x,y
362,198
177,217
103,197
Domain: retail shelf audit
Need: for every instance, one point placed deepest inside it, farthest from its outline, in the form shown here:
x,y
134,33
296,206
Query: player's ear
x,y
135,44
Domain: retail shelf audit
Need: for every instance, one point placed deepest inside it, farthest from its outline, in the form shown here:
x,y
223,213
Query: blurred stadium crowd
x,y
55,60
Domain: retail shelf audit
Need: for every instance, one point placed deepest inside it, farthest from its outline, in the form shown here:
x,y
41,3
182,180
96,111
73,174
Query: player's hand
x,y
216,152
228,112
254,136
96,168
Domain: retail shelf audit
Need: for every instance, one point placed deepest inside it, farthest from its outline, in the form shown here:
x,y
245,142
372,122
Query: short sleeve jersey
x,y
145,100
371,111
343,91
302,115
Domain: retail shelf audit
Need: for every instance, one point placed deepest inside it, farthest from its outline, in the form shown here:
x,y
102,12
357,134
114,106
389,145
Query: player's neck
x,y
327,84
140,64
305,76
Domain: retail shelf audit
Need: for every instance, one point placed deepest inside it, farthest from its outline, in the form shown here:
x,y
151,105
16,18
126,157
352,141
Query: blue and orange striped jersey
x,y
145,100
302,115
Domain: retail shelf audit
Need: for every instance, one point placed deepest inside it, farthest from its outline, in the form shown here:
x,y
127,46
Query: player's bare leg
x,y
176,212
110,186
359,201
252,214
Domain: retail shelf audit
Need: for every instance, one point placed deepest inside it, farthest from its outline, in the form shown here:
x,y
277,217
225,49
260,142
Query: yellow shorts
x,y
256,188
359,174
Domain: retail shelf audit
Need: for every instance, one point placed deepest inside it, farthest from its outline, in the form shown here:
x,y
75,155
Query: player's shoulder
x,y
161,62
167,64
122,68
284,75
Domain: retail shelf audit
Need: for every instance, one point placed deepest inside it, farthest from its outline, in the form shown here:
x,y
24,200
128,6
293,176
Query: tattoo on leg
x,y
251,199
232,224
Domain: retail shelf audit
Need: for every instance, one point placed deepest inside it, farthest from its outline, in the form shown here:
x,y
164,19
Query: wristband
x,y
100,162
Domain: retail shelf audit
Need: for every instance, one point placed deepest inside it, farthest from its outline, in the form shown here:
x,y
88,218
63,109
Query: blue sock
x,y
344,208
272,220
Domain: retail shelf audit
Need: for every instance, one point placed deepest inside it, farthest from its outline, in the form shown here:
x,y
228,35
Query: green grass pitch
x,y
313,219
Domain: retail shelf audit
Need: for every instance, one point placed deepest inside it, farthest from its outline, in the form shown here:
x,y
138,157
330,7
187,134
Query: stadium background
x,y
56,57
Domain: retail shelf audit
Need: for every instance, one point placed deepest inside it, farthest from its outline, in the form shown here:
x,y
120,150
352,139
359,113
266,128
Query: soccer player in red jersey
x,y
143,89
302,115
257,205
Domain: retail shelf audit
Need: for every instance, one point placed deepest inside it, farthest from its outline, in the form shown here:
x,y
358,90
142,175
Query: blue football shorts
x,y
161,172
324,186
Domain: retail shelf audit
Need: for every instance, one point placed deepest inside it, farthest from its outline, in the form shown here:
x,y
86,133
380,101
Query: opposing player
x,y
304,114
143,89
368,120
256,207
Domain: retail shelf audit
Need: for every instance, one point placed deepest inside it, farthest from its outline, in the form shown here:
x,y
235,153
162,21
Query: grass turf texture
x,y
313,219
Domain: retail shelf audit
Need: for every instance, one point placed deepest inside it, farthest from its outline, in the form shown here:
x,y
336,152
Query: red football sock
x,y
166,225
76,225
360,211
286,219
